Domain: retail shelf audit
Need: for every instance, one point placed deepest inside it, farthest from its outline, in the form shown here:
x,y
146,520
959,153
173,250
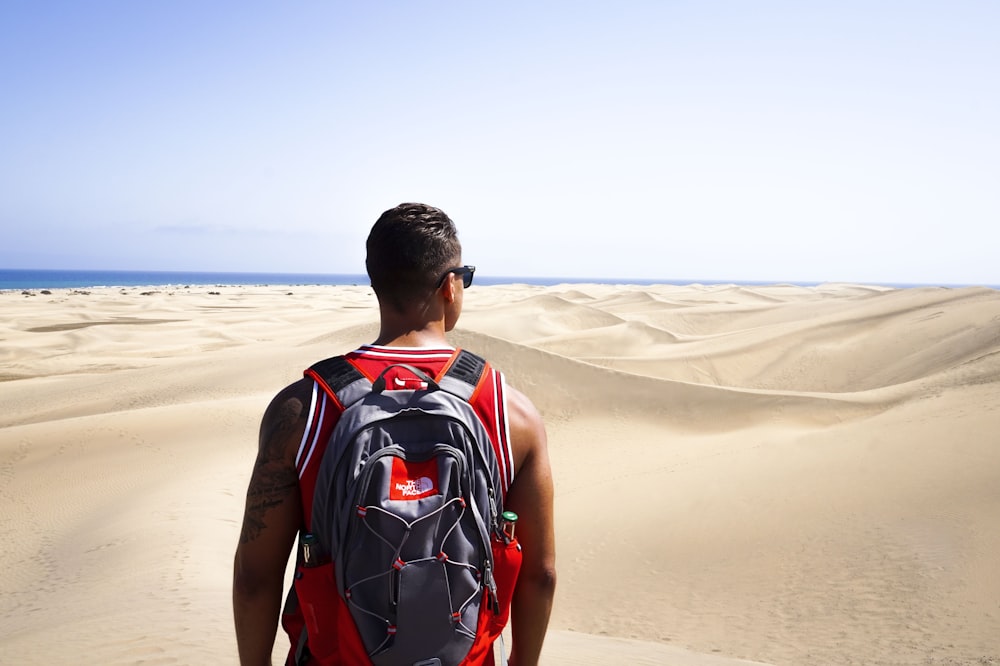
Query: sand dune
x,y
767,474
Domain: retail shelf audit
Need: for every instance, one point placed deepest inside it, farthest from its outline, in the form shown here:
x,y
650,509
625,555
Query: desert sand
x,y
779,475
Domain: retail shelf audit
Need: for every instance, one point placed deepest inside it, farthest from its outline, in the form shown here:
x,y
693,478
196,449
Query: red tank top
x,y
489,403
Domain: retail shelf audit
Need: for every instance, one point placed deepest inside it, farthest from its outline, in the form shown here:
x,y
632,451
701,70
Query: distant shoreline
x,y
21,279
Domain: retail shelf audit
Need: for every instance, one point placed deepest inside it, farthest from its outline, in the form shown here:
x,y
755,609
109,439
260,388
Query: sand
x,y
778,475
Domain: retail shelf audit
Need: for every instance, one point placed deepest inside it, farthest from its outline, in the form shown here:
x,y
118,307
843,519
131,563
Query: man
x,y
415,265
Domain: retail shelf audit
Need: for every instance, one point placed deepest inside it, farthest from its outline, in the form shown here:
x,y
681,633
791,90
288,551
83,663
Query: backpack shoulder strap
x,y
464,373
343,382
340,380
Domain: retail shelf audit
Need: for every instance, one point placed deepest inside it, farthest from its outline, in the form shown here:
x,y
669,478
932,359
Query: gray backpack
x,y
406,501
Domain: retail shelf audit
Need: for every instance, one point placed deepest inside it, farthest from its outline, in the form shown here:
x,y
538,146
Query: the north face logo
x,y
412,488
413,480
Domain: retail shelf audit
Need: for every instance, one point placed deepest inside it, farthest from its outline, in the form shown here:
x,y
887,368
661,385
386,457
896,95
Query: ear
x,y
448,289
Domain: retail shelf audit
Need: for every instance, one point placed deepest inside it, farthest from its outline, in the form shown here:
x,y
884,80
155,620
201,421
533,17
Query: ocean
x,y
21,279
62,279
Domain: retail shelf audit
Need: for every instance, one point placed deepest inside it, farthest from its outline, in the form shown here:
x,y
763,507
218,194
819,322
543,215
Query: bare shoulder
x,y
272,495
285,419
527,430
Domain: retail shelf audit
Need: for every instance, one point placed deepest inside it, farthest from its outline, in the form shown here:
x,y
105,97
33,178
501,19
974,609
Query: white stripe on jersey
x,y
319,427
506,458
309,421
404,352
506,429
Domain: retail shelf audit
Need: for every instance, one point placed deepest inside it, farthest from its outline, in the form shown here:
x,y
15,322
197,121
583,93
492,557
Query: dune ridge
x,y
766,474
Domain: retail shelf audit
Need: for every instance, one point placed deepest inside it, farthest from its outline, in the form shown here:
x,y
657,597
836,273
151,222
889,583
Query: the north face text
x,y
412,480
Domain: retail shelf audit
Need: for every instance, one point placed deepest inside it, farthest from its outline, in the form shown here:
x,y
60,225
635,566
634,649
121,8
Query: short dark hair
x,y
409,248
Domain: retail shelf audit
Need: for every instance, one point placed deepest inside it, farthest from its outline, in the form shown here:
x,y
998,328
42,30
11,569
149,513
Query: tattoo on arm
x,y
273,480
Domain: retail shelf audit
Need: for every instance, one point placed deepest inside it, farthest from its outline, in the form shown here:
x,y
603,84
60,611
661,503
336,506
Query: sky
x,y
782,141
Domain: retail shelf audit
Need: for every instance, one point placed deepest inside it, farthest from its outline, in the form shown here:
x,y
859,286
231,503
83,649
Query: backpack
x,y
406,515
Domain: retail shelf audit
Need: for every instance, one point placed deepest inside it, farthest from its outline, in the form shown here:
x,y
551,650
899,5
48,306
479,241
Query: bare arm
x,y
270,522
530,496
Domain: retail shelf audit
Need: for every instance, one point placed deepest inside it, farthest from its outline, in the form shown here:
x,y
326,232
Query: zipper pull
x,y
491,588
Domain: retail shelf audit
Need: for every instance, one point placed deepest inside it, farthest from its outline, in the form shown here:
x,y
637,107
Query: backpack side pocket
x,y
317,593
506,566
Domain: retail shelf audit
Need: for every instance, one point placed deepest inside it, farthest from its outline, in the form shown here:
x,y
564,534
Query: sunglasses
x,y
465,271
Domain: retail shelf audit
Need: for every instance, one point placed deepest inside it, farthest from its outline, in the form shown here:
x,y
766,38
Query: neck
x,y
397,332
420,324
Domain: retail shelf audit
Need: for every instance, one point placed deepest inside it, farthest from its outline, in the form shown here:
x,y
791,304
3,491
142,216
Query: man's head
x,y
410,247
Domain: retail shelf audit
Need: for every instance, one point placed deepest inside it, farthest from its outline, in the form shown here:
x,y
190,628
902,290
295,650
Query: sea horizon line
x,y
55,278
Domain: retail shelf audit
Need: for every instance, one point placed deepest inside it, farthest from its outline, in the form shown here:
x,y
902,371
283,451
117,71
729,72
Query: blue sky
x,y
784,141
